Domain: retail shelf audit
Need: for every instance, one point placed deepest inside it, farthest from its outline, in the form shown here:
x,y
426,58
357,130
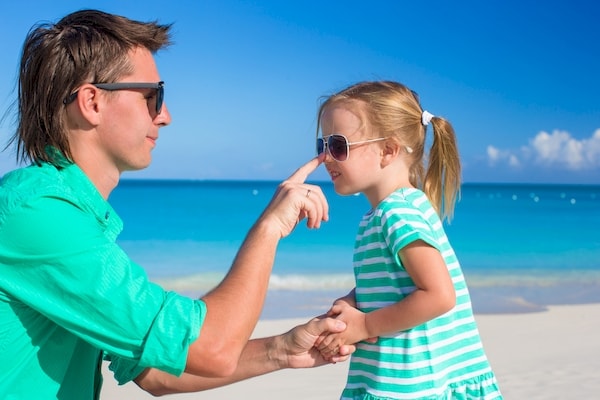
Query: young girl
x,y
410,298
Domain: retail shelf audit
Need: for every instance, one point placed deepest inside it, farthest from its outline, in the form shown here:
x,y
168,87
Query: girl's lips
x,y
334,175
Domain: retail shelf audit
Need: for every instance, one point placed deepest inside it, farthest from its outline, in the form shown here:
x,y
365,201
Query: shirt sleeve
x,y
154,355
404,224
57,259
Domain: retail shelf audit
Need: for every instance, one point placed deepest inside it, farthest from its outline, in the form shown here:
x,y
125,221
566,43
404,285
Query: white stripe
x,y
432,392
417,364
461,305
427,377
413,335
400,274
375,260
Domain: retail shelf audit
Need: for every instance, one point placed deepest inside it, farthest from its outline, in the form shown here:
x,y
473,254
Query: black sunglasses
x,y
159,86
338,146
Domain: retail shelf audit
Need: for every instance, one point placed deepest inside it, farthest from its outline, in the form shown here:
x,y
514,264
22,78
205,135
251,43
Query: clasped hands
x,y
344,309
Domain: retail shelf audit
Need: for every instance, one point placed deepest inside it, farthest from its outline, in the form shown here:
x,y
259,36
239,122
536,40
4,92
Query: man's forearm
x,y
293,349
260,356
234,306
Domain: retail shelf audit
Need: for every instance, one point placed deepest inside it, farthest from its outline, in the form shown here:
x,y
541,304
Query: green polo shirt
x,y
70,296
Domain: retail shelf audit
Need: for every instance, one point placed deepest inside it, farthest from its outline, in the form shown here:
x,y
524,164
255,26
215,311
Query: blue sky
x,y
517,79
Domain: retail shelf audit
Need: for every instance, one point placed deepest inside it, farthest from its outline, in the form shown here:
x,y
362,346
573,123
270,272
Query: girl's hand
x,y
330,344
349,299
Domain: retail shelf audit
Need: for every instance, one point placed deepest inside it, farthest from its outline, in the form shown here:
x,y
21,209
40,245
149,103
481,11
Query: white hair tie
x,y
426,117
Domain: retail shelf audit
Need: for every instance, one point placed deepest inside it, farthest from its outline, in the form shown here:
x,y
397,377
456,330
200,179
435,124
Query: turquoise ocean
x,y
521,247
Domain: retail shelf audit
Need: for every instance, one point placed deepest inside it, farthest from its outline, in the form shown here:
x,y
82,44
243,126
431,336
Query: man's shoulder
x,y
29,184
31,180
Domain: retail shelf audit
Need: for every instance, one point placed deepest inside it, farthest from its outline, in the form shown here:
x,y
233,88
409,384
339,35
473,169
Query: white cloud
x,y
493,154
556,149
496,156
513,161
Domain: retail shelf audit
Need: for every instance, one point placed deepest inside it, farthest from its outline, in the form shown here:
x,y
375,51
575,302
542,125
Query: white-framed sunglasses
x,y
338,145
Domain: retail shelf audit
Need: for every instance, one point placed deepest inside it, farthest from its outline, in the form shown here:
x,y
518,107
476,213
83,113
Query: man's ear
x,y
390,149
88,101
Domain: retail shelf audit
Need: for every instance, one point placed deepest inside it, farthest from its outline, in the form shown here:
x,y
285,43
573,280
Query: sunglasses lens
x,y
160,96
320,146
338,147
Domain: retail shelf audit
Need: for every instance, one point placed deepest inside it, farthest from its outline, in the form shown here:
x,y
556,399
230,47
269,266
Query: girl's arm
x,y
349,299
434,295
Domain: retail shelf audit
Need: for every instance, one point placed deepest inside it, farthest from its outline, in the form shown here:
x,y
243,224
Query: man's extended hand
x,y
295,200
299,343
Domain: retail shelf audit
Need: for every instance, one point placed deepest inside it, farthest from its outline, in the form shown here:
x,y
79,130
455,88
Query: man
x,y
90,106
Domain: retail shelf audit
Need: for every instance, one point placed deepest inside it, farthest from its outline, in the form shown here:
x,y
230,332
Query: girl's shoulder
x,y
405,197
407,204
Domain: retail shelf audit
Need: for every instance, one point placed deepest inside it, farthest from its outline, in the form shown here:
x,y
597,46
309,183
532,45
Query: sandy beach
x,y
549,354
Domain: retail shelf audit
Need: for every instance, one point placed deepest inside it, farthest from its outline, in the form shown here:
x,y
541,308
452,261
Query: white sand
x,y
546,355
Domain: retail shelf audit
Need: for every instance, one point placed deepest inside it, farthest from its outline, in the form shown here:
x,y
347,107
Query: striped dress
x,y
440,359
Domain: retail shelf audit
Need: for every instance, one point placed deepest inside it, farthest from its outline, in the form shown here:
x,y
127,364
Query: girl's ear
x,y
390,150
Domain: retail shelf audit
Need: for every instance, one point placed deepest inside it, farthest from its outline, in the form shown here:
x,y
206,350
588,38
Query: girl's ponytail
x,y
442,178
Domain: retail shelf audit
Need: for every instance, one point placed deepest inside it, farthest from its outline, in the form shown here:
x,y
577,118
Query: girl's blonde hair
x,y
393,110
